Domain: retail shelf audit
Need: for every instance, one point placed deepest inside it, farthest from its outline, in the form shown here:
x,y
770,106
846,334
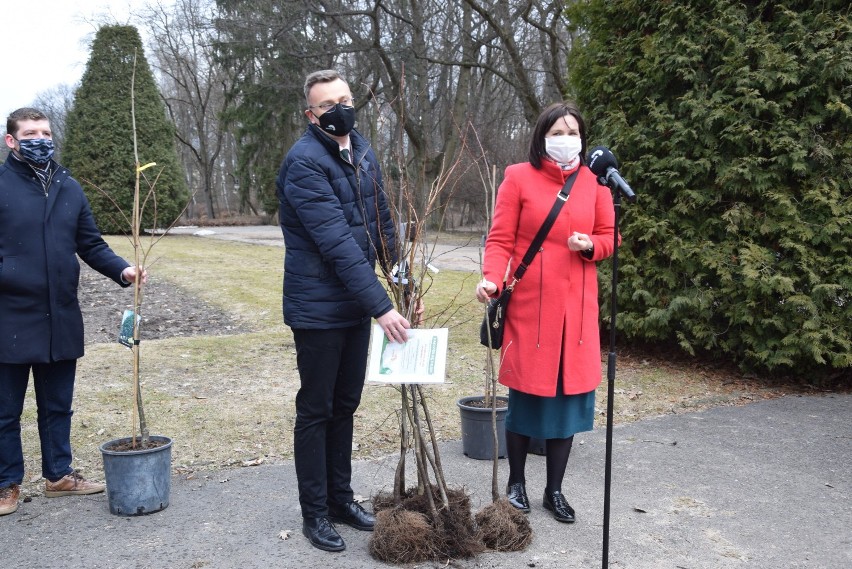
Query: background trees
x,y
98,134
433,79
195,89
265,48
733,120
439,73
423,73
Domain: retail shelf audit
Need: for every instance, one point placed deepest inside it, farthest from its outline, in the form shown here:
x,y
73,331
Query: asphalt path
x,y
765,485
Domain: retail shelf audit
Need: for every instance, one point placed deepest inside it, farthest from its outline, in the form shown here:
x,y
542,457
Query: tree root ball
x,y
407,531
384,501
401,536
503,527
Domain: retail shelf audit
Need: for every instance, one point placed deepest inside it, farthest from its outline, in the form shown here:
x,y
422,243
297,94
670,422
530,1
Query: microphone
x,y
603,164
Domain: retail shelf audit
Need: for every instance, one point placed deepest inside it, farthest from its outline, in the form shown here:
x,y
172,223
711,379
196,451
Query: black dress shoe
x,y
322,535
556,503
517,495
352,514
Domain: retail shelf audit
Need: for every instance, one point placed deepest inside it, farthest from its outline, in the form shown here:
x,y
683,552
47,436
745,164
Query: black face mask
x,y
338,120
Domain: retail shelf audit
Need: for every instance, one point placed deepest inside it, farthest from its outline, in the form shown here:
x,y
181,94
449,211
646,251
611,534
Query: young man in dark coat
x,y
45,223
337,224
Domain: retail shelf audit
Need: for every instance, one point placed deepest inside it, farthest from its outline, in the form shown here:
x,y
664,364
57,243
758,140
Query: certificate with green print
x,y
422,359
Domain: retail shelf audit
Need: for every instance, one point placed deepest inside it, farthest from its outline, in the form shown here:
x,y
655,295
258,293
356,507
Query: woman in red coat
x,y
550,359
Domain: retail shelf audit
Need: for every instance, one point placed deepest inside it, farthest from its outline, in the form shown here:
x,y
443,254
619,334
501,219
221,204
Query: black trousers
x,y
332,365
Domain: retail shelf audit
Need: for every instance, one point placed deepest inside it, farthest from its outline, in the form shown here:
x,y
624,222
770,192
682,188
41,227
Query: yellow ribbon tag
x,y
146,166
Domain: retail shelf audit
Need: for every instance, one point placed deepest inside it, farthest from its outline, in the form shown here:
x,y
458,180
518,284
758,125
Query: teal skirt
x,y
545,418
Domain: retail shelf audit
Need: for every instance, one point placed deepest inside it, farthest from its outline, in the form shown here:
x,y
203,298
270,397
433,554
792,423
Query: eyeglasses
x,y
350,102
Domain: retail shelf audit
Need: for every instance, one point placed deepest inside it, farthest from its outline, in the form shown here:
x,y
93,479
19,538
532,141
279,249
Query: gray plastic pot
x,y
138,481
477,434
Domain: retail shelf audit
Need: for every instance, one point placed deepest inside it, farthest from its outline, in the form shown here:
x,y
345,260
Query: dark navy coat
x,y
337,224
40,238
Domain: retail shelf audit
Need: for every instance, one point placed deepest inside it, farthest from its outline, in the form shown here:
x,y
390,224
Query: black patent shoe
x,y
352,514
322,535
517,495
556,503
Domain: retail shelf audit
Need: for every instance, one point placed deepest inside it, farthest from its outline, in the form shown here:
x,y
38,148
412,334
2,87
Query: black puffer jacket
x,y
337,224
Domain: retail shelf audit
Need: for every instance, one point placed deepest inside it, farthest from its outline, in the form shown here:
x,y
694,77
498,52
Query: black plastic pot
x,y
138,481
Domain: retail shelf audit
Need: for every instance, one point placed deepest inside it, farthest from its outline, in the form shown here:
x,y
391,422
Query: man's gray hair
x,y
324,76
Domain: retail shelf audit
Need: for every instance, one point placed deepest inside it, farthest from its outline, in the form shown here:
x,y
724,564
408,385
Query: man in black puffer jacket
x,y
337,224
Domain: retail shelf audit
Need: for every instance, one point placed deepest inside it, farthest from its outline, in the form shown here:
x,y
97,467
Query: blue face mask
x,y
36,150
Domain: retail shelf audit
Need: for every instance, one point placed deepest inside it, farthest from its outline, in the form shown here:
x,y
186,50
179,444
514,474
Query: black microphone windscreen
x,y
600,160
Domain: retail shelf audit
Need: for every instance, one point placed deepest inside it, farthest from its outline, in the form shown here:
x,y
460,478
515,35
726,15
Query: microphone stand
x,y
610,376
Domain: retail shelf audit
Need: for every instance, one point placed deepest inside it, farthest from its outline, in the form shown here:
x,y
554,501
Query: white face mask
x,y
565,149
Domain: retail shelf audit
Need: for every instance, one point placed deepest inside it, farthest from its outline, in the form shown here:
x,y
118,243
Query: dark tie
x,y
344,153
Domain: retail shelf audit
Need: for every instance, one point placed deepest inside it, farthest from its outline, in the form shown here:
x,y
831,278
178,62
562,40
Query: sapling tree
x,y
144,200
431,520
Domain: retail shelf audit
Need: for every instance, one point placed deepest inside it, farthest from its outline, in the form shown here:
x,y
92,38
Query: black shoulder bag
x,y
494,323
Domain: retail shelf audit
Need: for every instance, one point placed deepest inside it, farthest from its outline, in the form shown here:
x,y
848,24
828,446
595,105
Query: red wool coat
x,y
553,314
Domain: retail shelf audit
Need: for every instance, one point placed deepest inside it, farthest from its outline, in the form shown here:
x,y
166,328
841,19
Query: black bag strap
x,y
561,198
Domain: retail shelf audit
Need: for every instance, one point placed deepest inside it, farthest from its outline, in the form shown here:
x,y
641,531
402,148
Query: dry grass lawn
x,y
228,399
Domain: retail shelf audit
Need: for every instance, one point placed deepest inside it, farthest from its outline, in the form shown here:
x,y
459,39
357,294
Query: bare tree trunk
x,y
194,87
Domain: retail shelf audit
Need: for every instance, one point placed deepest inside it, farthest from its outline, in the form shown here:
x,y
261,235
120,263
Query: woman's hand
x,y
580,242
484,290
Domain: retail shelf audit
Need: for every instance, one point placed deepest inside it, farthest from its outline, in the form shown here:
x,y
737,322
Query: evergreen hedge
x,y
99,135
732,122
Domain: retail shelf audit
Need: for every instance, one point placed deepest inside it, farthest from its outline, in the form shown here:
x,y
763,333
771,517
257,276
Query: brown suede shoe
x,y
71,485
9,499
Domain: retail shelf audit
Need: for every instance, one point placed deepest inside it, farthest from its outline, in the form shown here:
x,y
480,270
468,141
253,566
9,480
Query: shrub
x,y
732,122
99,134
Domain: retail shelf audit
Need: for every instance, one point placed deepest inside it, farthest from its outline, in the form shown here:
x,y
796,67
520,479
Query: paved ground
x,y
765,485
